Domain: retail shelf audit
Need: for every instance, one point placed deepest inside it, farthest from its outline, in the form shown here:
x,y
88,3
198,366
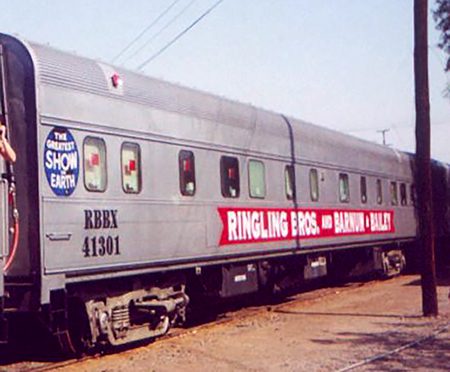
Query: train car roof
x,y
210,119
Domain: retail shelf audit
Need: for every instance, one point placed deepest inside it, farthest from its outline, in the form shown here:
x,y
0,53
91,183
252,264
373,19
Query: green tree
x,y
442,18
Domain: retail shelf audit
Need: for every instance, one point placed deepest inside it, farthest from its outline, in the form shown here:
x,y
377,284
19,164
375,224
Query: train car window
x,y
394,193
314,184
257,179
95,175
344,188
412,194
403,197
290,182
379,192
186,163
363,190
131,168
229,175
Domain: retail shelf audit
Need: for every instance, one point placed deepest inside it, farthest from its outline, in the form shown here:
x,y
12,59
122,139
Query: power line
x,y
161,30
438,56
140,67
146,29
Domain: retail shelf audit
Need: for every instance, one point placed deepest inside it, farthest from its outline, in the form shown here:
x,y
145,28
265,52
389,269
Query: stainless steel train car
x,y
130,196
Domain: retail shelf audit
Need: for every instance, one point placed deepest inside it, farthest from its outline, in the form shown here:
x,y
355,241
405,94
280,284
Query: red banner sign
x,y
249,225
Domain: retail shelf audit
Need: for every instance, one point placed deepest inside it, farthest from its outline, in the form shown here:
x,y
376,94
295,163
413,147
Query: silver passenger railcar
x,y
131,195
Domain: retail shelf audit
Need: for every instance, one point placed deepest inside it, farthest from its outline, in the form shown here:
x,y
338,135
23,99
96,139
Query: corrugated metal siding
x,y
312,143
69,71
318,144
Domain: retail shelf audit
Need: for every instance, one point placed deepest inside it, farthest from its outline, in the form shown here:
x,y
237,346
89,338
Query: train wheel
x,y
76,341
79,326
394,263
66,344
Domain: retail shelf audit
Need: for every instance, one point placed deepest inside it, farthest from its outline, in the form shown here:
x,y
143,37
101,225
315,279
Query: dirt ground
x,y
331,333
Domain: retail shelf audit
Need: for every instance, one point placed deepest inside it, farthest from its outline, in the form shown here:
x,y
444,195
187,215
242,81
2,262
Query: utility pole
x,y
383,132
423,162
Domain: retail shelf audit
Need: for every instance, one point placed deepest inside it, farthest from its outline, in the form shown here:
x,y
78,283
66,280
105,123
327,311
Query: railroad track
x,y
386,355
230,313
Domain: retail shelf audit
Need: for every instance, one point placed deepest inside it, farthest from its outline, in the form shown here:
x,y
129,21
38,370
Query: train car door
x,y
4,209
4,251
4,248
7,183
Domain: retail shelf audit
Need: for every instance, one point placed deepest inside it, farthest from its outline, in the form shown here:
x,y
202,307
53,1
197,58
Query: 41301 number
x,y
101,246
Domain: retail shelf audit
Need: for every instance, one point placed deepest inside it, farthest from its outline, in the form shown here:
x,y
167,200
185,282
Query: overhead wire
x,y
168,24
155,21
434,49
176,38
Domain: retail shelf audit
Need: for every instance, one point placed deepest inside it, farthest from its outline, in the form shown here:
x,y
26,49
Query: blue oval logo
x,y
61,161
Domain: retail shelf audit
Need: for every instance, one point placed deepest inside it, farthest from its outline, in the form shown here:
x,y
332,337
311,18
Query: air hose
x,y
15,224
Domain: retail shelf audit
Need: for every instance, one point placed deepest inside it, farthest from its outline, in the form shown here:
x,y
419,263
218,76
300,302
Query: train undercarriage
x,y
117,312
114,313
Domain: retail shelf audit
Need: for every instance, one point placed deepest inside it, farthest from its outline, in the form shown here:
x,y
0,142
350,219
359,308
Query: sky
x,y
343,64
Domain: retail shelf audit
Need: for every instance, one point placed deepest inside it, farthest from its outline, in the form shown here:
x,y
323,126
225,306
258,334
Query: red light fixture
x,y
116,81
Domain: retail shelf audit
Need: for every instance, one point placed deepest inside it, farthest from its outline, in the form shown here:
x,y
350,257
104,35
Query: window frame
x,y
250,178
412,194
314,181
103,142
289,181
182,173
363,189
403,194
394,192
225,180
379,191
139,167
346,182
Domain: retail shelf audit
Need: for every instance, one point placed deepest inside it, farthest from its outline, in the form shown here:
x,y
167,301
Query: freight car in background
x,y
131,195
